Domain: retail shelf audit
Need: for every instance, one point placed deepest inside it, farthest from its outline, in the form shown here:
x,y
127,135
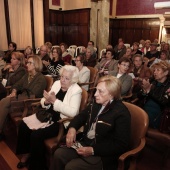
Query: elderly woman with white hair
x,y
62,101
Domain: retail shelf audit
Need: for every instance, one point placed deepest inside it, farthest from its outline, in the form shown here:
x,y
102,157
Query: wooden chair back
x,y
50,82
139,126
93,75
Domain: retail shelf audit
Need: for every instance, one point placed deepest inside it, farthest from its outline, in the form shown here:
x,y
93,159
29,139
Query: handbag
x,y
43,115
165,121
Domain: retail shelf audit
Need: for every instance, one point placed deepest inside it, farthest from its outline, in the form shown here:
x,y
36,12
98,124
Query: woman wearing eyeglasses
x,y
122,73
84,72
56,64
33,82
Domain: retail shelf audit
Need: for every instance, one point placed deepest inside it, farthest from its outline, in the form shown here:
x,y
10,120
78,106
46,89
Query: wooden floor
x,y
149,159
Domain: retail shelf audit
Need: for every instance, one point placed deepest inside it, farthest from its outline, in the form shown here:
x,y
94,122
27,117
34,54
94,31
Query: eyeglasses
x,y
43,51
125,65
29,62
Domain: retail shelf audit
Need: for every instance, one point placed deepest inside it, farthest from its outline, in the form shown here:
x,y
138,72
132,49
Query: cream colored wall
x,y
71,4
76,4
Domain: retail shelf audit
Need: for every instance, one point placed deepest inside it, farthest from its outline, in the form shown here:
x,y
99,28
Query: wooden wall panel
x,y
71,35
129,33
133,30
146,34
71,18
71,27
83,32
137,35
56,18
56,32
153,33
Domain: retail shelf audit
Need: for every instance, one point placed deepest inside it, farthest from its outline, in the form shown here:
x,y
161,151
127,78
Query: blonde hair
x,y
19,56
165,66
113,85
74,70
37,62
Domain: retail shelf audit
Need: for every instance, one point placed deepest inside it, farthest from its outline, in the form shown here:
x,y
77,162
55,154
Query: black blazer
x,y
112,130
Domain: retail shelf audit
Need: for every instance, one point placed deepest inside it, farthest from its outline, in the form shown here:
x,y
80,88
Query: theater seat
x,y
160,141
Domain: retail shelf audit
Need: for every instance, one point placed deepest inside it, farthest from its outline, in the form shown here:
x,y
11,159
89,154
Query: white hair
x,y
74,70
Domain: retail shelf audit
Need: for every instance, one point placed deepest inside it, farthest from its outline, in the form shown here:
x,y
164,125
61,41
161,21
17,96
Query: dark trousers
x,y
32,141
68,159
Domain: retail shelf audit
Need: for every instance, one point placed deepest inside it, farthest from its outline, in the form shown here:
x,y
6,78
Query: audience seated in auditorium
x,y
126,80
136,49
66,57
128,53
119,50
28,52
89,60
15,70
146,47
56,63
43,53
167,49
91,44
84,72
141,44
63,101
34,82
151,55
106,135
109,46
49,45
154,93
12,47
140,72
163,57
2,63
107,64
162,45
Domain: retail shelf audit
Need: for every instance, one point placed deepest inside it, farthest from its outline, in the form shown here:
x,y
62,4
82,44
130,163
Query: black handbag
x,y
43,115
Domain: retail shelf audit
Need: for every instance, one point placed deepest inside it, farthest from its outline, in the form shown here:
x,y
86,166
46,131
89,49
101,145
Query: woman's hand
x,y
101,70
8,66
168,92
46,63
146,85
70,137
49,98
106,72
85,151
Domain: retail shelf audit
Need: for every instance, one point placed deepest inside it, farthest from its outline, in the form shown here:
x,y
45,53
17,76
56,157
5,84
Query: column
x,y
103,24
99,23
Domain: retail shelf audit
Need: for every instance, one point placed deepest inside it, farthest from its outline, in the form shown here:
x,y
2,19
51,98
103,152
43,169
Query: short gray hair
x,y
74,70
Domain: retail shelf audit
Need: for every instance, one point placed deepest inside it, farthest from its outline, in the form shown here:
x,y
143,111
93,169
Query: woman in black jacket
x,y
106,133
154,93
